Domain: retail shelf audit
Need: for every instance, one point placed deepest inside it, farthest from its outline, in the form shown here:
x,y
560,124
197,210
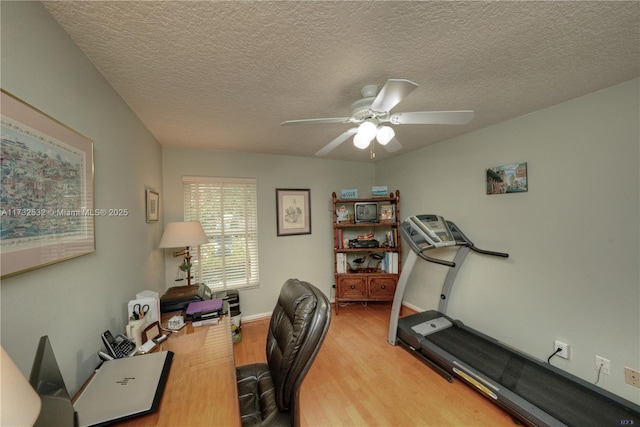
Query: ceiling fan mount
x,y
361,109
375,108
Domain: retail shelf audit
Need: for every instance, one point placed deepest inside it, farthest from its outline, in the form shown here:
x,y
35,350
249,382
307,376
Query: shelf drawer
x,y
352,287
382,288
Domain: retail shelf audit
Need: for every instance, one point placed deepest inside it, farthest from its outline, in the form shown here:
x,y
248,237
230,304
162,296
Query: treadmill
x,y
533,392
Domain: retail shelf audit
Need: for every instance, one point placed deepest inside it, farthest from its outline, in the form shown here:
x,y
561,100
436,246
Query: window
x,y
227,210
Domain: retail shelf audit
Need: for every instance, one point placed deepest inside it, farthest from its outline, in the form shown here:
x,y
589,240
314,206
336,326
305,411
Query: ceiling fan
x,y
372,112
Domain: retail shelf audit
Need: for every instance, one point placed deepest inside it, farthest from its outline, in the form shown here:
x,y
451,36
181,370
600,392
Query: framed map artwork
x,y
47,210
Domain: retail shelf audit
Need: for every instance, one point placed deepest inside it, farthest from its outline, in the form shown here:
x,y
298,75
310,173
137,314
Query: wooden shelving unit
x,y
377,277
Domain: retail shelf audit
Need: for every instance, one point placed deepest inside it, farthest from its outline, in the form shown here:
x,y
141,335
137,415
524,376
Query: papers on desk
x,y
207,322
147,347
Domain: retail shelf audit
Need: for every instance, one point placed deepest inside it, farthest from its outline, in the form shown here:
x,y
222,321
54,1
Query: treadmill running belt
x,y
560,397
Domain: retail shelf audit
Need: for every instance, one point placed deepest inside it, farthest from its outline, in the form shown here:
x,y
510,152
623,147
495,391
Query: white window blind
x,y
227,210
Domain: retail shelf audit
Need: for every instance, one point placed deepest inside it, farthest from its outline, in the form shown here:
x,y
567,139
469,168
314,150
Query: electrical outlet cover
x,y
632,376
564,353
603,365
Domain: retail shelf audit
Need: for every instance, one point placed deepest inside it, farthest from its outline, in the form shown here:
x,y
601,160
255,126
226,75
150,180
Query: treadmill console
x,y
433,229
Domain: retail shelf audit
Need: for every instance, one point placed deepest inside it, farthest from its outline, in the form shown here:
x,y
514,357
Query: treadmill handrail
x,y
485,252
465,241
453,264
435,260
460,240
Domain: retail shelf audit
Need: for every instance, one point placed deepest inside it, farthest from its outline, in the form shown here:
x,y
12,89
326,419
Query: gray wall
x,y
307,257
573,239
74,301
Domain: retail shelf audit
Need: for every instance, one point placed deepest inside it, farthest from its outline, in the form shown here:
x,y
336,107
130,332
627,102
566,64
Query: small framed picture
x,y
153,207
507,179
387,213
293,211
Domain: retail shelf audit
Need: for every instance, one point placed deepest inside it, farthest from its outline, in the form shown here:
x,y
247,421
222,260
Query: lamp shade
x,y
180,234
20,403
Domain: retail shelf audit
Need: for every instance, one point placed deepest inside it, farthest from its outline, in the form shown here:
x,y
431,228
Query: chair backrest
x,y
298,325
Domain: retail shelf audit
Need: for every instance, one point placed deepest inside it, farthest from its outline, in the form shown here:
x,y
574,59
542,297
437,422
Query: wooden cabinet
x,y
367,248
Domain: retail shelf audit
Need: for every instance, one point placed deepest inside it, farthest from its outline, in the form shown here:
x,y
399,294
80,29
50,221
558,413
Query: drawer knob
x,y
383,287
353,286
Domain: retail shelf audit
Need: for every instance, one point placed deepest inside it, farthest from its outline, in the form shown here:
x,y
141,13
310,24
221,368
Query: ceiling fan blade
x,y
393,146
317,121
339,140
432,118
392,93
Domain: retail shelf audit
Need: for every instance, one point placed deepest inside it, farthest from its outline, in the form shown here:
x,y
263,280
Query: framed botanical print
x,y
293,211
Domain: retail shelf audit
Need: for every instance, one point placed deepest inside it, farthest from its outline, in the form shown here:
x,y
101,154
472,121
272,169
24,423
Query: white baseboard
x,y
262,316
413,307
254,317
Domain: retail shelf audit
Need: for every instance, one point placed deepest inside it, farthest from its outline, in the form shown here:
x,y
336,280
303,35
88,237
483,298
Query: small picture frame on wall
x,y
507,179
153,206
293,210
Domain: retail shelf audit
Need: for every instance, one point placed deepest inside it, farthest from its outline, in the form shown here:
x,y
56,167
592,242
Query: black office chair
x,y
269,392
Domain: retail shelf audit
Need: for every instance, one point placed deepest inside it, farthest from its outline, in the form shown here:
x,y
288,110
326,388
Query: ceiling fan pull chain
x,y
373,153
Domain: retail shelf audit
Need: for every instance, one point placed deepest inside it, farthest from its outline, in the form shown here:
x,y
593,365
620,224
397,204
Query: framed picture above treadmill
x,y
506,179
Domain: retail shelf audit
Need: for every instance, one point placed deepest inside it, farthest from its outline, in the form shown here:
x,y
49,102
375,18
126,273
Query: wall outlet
x,y
632,376
604,363
564,349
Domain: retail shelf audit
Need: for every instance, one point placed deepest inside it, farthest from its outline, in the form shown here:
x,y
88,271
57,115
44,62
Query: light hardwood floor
x,y
359,379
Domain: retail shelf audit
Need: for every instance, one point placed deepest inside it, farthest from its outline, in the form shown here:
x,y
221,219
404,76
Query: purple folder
x,y
203,307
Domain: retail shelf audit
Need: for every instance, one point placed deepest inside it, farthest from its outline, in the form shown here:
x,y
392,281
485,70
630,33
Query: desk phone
x,y
120,346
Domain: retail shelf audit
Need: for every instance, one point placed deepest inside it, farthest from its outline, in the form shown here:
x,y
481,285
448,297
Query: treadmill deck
x,y
516,377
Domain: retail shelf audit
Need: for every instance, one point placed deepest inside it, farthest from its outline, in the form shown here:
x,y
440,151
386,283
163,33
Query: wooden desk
x,y
201,388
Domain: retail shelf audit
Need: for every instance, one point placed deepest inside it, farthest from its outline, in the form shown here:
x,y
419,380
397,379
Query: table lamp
x,y
187,234
20,404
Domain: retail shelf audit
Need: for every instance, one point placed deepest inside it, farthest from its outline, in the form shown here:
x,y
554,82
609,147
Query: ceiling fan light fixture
x,y
361,141
369,112
368,130
385,134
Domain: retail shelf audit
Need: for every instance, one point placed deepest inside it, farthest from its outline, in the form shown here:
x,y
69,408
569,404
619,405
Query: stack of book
x,y
391,262
339,243
341,263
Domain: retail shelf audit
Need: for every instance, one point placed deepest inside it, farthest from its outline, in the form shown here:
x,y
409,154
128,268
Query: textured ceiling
x,y
224,75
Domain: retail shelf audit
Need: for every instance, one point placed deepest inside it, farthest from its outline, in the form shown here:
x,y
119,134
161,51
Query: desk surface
x,y
201,388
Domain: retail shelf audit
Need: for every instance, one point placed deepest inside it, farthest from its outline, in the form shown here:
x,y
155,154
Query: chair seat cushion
x,y
256,393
